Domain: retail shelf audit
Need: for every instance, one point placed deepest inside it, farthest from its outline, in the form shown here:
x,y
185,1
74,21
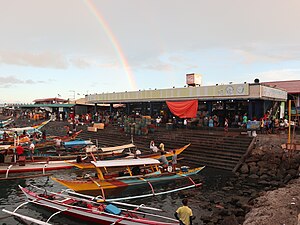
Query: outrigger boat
x,y
111,151
30,167
19,130
6,122
111,178
124,151
90,210
76,143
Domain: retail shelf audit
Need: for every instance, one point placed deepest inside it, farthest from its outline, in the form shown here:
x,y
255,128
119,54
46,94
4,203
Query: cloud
x,y
43,60
259,53
160,66
279,75
80,63
10,81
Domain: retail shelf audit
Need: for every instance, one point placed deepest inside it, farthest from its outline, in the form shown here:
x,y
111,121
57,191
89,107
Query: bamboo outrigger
x,y
116,150
90,210
110,177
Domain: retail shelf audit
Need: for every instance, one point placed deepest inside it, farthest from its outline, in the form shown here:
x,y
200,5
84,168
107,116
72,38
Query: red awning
x,y
184,109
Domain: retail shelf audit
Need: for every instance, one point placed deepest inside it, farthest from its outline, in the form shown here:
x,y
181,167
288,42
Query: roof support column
x,y
110,108
95,108
150,109
128,108
250,109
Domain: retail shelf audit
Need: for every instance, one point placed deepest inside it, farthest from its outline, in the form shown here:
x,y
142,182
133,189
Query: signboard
x,y
193,79
273,93
233,89
253,125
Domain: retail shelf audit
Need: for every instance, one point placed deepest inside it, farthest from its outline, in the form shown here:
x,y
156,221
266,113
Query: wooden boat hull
x,y
94,186
35,167
157,155
91,214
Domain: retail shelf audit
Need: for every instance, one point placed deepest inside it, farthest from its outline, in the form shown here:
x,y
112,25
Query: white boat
x,y
89,210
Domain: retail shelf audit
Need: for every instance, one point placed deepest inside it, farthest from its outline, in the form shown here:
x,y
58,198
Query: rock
x,y
253,169
206,218
254,176
272,173
247,208
224,212
227,188
262,164
292,172
252,164
265,177
238,212
262,171
277,161
287,178
281,173
230,220
233,201
252,159
240,219
244,169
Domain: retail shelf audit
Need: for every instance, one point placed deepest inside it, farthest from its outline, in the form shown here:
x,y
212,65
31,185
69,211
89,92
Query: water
x,y
11,196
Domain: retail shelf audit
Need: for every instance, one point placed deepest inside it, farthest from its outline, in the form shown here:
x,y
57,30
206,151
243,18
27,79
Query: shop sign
x,y
253,125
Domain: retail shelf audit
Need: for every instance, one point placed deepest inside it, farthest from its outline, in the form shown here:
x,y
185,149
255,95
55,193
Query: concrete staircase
x,y
212,148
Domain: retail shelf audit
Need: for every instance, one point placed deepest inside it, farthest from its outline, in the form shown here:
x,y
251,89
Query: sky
x,y
70,48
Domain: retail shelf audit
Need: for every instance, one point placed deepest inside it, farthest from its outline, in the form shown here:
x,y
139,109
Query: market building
x,y
292,87
223,100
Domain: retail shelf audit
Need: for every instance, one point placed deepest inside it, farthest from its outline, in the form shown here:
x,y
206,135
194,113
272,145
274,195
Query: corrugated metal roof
x,y
47,105
50,100
291,86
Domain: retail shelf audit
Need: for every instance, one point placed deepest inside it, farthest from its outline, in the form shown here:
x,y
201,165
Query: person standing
x,y
184,213
153,147
210,122
31,151
162,146
174,161
20,151
44,136
163,160
245,120
226,125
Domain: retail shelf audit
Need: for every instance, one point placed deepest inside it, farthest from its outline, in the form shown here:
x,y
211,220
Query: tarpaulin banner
x,y
183,109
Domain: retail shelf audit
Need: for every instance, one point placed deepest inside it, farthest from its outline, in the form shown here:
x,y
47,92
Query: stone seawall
x,y
279,170
269,162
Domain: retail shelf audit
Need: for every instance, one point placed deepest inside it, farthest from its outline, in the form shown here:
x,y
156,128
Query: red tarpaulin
x,y
184,109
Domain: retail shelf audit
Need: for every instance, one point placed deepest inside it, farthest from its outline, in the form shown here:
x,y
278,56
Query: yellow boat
x,y
138,171
157,155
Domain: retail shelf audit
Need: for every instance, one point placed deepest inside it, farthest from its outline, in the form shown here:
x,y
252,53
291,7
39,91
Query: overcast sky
x,y
69,48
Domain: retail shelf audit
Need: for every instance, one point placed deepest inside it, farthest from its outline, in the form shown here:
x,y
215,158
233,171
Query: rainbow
x,y
113,41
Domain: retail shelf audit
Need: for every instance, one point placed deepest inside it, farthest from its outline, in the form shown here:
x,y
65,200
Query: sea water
x,y
11,196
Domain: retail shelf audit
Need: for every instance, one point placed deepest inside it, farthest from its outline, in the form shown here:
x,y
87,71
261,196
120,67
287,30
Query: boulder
x,y
253,169
265,177
287,178
292,172
230,220
244,169
262,171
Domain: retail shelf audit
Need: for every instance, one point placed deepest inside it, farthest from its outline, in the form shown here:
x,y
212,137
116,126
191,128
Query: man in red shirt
x,y
19,150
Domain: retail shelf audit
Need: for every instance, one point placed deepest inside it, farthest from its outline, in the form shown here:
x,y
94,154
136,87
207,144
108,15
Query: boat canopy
x,y
116,148
125,162
77,143
4,147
